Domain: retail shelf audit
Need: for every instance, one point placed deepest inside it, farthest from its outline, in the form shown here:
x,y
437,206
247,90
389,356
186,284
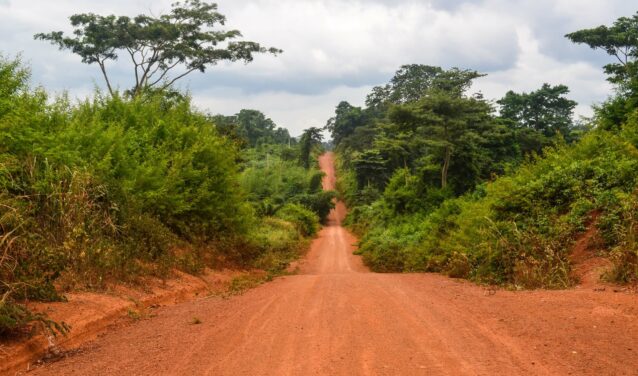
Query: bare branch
x,y
178,77
164,73
106,77
145,71
136,65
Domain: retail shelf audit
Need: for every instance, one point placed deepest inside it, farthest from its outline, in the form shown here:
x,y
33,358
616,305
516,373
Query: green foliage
x,y
425,122
108,189
185,38
273,180
419,169
347,118
411,82
308,142
545,110
319,202
446,124
519,228
620,41
276,242
251,128
306,221
401,193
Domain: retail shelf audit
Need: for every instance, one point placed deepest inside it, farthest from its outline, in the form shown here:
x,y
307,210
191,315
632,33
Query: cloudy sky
x,y
338,49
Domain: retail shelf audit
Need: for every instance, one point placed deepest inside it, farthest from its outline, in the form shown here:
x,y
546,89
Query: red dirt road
x,y
336,318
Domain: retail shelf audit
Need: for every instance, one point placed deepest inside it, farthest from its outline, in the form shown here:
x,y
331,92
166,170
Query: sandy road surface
x,y
336,318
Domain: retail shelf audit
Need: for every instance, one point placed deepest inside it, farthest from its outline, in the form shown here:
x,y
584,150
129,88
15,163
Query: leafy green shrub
x,y
517,229
106,189
320,203
624,254
306,221
278,242
273,181
110,188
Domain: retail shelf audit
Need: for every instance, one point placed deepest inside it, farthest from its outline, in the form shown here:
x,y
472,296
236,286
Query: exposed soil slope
x,y
336,318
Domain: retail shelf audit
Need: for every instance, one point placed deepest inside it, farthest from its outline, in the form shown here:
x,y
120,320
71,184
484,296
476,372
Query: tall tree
x,y
252,127
347,118
620,41
310,138
445,122
412,82
546,110
161,49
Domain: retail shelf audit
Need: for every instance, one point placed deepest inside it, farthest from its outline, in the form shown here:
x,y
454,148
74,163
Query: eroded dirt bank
x,y
336,318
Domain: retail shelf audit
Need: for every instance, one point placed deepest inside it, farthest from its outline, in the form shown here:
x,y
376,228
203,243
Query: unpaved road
x,y
336,318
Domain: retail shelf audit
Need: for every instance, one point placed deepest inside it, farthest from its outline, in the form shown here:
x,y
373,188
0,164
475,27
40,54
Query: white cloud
x,y
338,39
532,69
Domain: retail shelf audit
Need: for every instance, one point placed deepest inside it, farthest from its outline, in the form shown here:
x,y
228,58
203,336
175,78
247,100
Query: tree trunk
x,y
446,165
446,157
106,77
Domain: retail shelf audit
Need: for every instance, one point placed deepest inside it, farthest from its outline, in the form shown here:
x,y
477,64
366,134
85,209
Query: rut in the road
x,y
336,318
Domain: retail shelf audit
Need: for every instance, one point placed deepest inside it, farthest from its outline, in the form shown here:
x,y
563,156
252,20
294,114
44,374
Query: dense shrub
x,y
277,242
306,221
111,188
273,181
519,228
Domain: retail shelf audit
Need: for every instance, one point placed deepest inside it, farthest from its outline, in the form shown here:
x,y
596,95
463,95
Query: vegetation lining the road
x,y
140,182
112,188
437,181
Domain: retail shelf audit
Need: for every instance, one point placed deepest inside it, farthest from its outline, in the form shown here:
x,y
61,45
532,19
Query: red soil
x,y
336,318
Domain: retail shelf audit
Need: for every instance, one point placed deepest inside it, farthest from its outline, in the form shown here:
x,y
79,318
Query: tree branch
x,y
163,73
136,65
151,74
146,70
106,77
178,77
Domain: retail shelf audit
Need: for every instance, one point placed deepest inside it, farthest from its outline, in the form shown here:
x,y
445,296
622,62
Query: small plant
x,y
134,314
195,321
239,285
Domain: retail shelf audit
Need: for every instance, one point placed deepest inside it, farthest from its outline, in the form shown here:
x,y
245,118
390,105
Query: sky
x,y
338,50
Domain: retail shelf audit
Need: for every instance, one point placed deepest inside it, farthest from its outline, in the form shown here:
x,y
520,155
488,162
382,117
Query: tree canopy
x,y
347,118
423,123
310,139
411,82
251,128
620,40
446,123
161,49
546,110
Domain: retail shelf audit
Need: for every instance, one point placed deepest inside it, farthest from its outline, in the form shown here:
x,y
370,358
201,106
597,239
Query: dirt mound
x,y
91,314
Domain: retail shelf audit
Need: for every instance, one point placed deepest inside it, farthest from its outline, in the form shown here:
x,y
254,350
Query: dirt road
x,y
336,318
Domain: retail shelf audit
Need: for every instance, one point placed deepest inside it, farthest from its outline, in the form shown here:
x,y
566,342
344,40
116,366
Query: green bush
x,y
519,228
306,221
277,242
273,181
106,189
112,188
